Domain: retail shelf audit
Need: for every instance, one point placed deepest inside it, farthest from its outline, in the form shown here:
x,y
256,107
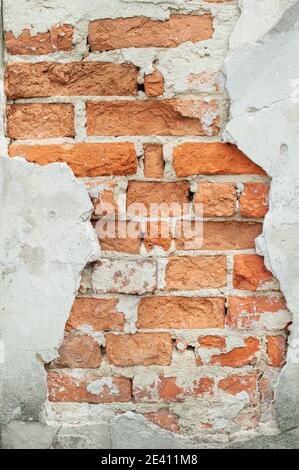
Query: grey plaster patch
x,y
263,84
46,241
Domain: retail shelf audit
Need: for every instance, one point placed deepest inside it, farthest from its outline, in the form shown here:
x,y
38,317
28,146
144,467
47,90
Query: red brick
x,y
154,84
108,34
58,38
241,383
88,388
153,161
247,312
250,273
237,357
165,419
217,199
147,193
40,121
158,234
195,272
119,236
228,235
140,349
195,158
181,312
152,117
254,200
78,352
84,159
213,342
276,350
97,314
30,80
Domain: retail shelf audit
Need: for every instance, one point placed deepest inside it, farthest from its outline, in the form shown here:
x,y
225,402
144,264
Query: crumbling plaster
x,y
263,85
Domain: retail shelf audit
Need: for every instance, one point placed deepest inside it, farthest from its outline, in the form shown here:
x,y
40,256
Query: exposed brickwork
x,y
105,35
186,328
59,38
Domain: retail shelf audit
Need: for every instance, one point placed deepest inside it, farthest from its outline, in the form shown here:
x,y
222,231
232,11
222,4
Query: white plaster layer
x,y
46,240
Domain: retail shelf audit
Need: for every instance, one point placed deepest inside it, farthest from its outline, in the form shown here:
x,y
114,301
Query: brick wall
x,y
189,333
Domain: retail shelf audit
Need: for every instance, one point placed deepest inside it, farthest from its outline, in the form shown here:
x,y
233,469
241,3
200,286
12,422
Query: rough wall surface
x,y
171,342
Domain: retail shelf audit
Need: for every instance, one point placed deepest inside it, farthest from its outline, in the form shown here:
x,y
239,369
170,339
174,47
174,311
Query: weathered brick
x,y
152,117
250,273
239,356
195,272
217,199
153,161
141,349
154,84
108,34
119,236
85,159
88,388
164,418
241,383
29,80
78,352
158,234
126,276
147,193
40,121
213,342
276,350
181,312
228,235
58,38
262,312
96,314
195,158
254,200
168,389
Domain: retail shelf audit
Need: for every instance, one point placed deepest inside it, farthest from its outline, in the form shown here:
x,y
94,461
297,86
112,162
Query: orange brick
x,y
108,34
84,159
217,199
213,342
152,117
228,235
165,419
169,391
104,204
240,356
254,200
29,80
154,84
247,312
119,236
88,388
40,121
241,383
181,312
97,314
58,38
140,349
276,350
147,193
153,161
158,234
195,272
78,352
195,158
250,273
